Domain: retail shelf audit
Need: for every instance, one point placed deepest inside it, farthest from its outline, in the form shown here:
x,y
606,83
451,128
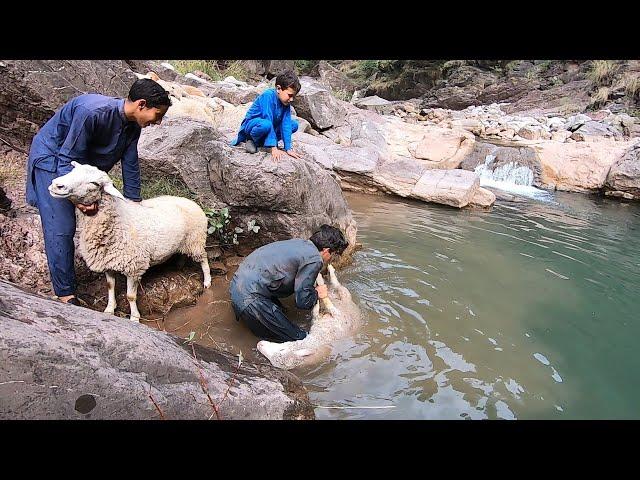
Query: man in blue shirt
x,y
95,130
269,118
277,270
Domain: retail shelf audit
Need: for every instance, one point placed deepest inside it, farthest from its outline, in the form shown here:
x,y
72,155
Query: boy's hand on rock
x,y
293,154
276,153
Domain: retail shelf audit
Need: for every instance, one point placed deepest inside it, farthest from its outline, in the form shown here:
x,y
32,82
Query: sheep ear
x,y
75,164
111,190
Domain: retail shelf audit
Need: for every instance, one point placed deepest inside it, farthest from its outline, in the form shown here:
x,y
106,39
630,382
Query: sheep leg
x,y
132,295
111,284
333,279
342,291
326,302
207,271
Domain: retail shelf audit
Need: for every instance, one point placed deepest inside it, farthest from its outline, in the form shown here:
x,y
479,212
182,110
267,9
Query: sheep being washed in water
x,y
129,237
340,319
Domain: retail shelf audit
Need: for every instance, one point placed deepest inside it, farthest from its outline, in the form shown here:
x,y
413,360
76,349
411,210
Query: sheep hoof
x,y
112,311
268,348
207,284
134,319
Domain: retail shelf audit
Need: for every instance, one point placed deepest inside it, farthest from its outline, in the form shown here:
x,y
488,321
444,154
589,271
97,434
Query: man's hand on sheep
x,y
88,209
322,291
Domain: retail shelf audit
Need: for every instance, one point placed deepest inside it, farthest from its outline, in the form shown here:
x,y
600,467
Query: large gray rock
x,y
59,362
22,257
375,104
574,122
592,130
510,90
180,147
267,68
559,100
460,88
32,90
371,168
623,179
335,79
318,106
290,198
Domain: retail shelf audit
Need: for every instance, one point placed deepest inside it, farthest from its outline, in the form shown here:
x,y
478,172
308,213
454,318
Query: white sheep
x,y
129,237
199,108
340,319
191,102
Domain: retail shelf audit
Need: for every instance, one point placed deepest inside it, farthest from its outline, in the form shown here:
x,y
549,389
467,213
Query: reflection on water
x,y
526,311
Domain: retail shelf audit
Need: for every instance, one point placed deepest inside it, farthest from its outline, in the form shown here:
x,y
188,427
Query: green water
x,y
529,311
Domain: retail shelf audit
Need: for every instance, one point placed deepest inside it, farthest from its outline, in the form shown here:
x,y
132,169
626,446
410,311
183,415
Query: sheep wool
x,y
129,237
340,318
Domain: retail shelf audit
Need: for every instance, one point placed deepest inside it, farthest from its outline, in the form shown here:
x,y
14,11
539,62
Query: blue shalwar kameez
x,y
89,129
267,122
273,271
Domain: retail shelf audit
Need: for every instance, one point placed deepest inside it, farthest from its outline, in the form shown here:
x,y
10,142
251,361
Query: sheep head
x,y
84,184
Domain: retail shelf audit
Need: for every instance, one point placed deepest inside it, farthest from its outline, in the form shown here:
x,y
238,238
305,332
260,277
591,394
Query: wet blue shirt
x,y
269,107
89,129
278,269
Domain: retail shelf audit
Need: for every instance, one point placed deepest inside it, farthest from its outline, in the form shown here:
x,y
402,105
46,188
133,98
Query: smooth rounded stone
x,y
483,198
450,187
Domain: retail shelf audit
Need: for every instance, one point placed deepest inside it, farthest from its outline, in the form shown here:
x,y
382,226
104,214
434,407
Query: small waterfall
x,y
509,173
510,177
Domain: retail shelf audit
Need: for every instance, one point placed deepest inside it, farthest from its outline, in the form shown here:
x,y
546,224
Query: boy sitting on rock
x,y
269,118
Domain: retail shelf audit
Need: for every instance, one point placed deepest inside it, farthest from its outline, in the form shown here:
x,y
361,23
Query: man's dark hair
x,y
288,79
331,238
152,92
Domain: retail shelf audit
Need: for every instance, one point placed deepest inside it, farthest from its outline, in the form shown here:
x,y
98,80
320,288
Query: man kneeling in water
x,y
277,270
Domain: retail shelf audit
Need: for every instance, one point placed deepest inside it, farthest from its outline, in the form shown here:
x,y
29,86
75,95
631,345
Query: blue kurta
x,y
89,129
278,269
273,271
268,107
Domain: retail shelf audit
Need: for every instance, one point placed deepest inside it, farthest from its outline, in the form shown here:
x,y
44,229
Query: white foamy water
x,y
510,177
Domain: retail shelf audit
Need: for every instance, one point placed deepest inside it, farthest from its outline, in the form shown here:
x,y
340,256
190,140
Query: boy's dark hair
x,y
150,91
288,79
331,238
